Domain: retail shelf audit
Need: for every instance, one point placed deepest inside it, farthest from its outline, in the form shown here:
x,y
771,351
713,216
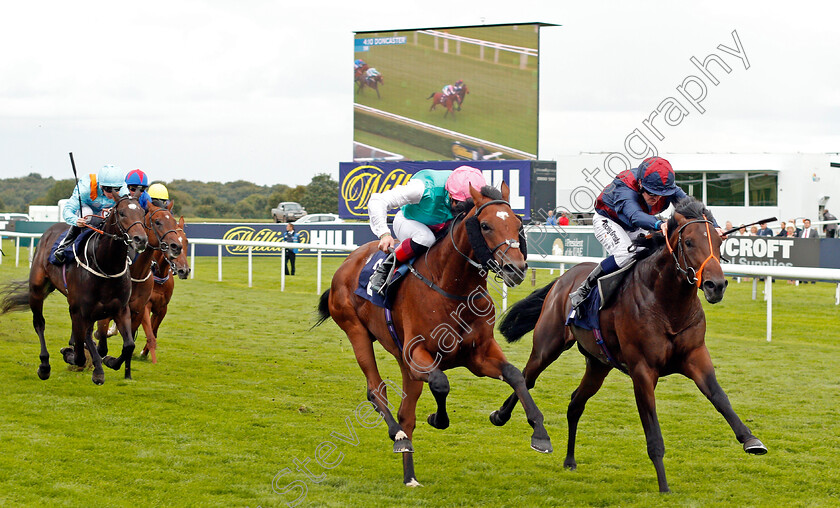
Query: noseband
x,y
124,236
692,276
162,246
485,255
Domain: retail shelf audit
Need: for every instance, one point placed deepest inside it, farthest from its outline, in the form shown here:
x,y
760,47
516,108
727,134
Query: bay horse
x,y
160,225
371,82
447,101
97,286
655,328
453,327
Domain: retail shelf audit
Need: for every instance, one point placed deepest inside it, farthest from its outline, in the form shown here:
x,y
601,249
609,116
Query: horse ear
x,y
170,204
477,197
181,222
505,191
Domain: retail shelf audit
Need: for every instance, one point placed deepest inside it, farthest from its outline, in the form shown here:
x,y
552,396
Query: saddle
x,y
364,290
69,252
586,315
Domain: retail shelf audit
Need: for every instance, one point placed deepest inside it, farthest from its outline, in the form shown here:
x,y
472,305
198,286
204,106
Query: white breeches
x,y
614,238
417,231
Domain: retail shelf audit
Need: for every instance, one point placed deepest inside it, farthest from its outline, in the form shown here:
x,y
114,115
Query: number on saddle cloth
x,y
364,290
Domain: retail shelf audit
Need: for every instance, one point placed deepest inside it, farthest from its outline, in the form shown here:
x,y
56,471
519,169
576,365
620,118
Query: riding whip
x,y
73,163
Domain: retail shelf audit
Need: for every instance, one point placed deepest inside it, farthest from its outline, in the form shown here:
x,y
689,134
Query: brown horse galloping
x,y
445,321
447,101
97,286
160,226
657,327
370,82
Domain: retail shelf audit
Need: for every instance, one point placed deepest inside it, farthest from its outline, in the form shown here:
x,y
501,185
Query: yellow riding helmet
x,y
158,191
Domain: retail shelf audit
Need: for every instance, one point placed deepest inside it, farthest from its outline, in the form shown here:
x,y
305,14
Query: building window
x,y
726,189
763,189
691,184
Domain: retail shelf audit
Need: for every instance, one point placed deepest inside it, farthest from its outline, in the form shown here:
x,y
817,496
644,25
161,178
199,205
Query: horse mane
x,y
688,207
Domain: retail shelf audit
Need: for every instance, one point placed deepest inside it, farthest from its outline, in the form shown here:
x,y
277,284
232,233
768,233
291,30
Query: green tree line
x,y
230,200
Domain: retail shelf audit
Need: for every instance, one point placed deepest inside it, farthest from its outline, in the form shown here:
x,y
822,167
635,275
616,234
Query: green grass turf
x,y
243,388
501,106
409,152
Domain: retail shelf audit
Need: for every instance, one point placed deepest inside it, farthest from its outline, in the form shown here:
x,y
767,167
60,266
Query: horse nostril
x,y
710,285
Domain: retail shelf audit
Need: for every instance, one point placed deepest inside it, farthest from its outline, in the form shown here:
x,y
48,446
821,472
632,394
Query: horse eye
x,y
157,223
688,243
485,226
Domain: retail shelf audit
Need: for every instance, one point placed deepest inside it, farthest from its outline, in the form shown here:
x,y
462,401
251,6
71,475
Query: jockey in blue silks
x,y
91,195
626,208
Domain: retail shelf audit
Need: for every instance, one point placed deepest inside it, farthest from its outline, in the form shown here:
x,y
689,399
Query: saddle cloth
x,y
586,315
367,293
69,257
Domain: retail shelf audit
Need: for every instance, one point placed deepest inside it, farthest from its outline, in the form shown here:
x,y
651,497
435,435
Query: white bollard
x,y
282,269
250,266
192,260
768,295
220,263
318,291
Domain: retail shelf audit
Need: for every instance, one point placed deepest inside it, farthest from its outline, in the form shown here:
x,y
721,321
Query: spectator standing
x,y
807,230
764,230
830,230
551,220
291,236
564,219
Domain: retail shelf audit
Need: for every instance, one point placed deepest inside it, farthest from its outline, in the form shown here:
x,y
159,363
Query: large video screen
x,y
467,93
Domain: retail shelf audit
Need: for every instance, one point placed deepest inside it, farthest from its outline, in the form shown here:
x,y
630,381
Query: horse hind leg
x,y
98,376
591,382
123,320
407,415
36,303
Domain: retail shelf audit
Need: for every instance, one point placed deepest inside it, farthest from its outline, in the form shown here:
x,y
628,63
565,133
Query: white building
x,y
737,187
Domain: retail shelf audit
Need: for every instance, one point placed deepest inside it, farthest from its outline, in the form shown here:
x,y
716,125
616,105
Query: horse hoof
x,y
44,372
755,447
438,423
497,419
413,483
571,465
110,362
98,378
403,446
69,355
541,445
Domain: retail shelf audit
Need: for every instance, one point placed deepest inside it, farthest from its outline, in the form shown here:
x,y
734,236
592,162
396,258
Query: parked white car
x,y
319,218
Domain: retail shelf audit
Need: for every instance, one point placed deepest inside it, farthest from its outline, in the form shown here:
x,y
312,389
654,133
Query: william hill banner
x,y
357,181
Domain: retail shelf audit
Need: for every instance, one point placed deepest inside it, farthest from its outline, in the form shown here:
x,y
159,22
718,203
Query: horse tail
x,y
323,308
15,296
523,316
429,97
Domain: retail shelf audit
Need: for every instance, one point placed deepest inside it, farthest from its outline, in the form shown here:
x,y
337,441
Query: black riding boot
x,y
583,291
380,275
65,242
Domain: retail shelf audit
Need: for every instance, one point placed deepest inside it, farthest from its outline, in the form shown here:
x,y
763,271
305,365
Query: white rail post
x,y
837,295
755,288
504,297
31,250
283,269
318,292
220,262
1,246
192,260
17,251
250,266
768,294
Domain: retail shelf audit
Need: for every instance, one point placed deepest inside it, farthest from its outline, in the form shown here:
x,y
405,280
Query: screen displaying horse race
x,y
467,93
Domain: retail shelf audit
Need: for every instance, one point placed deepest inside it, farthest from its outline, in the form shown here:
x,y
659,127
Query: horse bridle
x,y
486,256
125,237
692,276
162,245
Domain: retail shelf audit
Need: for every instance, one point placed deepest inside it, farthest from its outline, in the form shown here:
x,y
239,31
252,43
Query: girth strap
x,y
600,341
389,320
434,286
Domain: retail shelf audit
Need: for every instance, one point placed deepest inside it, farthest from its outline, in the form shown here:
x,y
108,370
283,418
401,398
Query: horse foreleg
x,y
591,382
546,349
151,339
377,91
98,375
698,367
644,384
491,362
123,320
407,414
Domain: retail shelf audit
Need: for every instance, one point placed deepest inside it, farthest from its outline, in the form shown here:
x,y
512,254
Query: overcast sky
x,y
259,90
